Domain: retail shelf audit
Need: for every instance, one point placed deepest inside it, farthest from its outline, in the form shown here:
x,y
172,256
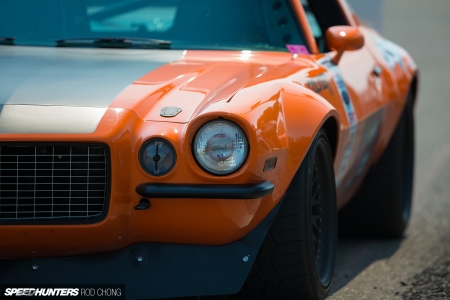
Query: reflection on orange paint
x,y
265,93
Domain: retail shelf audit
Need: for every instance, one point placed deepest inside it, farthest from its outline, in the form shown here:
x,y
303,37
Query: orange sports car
x,y
189,148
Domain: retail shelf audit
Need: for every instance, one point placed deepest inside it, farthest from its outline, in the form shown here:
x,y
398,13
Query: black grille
x,y
53,182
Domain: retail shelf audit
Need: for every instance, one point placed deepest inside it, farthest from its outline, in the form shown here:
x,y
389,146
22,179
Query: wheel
x,y
382,206
296,259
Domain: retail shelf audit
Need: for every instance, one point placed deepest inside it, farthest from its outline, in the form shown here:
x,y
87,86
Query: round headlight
x,y
157,157
220,147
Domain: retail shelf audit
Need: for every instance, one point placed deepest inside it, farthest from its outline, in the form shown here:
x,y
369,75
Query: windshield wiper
x,y
114,42
7,40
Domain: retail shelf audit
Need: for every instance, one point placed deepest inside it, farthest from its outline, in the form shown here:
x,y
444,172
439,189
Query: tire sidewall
x,y
320,147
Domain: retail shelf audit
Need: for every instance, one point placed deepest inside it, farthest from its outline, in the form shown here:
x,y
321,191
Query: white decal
x,y
366,146
297,49
347,155
369,139
336,75
393,54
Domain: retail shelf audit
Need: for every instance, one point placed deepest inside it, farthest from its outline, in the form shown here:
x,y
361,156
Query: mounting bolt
x,y
245,258
34,267
139,258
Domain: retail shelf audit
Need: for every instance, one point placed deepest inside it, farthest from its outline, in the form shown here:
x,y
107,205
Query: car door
x,y
356,79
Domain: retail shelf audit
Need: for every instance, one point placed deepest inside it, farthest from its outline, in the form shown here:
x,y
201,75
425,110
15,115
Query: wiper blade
x,y
114,42
7,40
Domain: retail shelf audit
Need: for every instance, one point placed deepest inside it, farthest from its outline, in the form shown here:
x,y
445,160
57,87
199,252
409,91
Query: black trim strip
x,y
216,191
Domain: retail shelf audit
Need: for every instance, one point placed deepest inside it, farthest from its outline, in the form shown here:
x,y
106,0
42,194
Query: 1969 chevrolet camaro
x,y
197,147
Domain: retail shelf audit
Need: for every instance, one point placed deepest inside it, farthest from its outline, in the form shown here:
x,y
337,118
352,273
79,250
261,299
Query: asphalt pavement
x,y
393,269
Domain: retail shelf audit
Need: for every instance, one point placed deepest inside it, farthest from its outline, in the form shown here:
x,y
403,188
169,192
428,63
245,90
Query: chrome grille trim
x,y
54,182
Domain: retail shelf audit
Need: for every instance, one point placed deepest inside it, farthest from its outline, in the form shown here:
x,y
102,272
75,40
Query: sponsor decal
x,y
336,76
297,49
369,137
347,155
319,84
393,54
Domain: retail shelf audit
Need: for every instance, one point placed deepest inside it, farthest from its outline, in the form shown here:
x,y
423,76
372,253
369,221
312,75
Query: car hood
x,y
84,77
48,83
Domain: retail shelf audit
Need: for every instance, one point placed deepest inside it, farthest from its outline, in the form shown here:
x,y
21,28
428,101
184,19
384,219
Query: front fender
x,y
281,120
302,113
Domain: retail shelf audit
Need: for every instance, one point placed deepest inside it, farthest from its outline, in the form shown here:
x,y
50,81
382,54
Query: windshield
x,y
186,24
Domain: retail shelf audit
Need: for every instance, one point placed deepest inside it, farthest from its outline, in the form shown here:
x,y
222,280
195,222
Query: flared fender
x,y
281,122
306,113
289,126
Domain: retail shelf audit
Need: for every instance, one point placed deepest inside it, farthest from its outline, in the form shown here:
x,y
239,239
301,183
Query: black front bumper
x,y
215,191
166,270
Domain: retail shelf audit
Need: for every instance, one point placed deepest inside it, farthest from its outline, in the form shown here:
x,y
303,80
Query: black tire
x,y
297,257
382,206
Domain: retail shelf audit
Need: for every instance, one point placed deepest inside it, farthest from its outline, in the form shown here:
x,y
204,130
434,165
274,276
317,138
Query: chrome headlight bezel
x,y
145,147
201,162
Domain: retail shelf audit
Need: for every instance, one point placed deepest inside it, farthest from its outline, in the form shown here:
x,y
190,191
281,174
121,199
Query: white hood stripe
x,y
67,90
73,76
49,119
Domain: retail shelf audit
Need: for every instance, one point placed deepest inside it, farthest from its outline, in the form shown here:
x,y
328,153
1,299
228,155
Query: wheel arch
x,y
305,114
414,88
298,112
281,120
332,130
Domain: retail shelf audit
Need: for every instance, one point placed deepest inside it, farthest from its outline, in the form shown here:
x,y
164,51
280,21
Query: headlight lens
x,y
220,147
157,157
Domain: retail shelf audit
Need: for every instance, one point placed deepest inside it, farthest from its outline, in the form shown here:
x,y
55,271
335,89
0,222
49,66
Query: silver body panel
x,y
67,90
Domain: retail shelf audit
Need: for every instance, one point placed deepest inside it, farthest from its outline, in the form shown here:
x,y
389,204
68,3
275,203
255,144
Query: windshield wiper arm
x,y
114,42
7,40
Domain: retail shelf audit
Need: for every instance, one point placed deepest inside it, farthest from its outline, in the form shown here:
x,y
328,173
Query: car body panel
x,y
280,101
195,221
219,269
80,76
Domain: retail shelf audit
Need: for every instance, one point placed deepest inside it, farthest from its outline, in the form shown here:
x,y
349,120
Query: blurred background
x,y
370,12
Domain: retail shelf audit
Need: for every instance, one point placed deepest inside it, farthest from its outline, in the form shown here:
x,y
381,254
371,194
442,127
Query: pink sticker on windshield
x,y
297,49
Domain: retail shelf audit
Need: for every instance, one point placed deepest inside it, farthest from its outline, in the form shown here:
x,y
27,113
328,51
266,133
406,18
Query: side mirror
x,y
343,38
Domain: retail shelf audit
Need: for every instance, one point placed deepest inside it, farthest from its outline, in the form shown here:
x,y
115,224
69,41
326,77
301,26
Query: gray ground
x,y
417,266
